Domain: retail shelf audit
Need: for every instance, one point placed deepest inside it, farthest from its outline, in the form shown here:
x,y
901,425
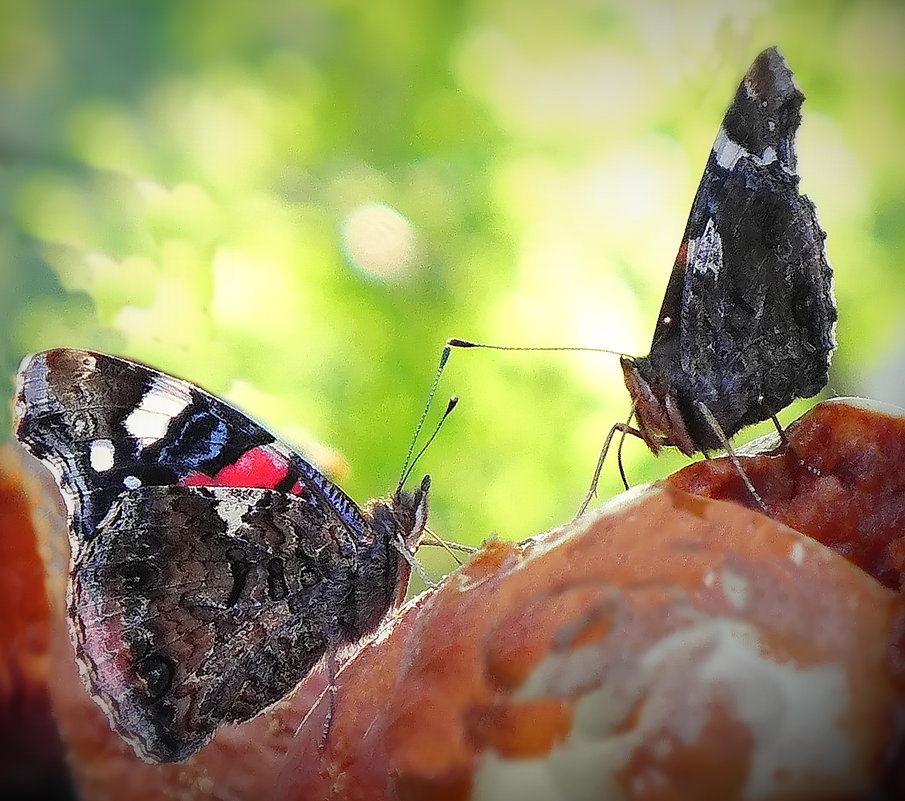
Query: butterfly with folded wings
x,y
748,320
212,566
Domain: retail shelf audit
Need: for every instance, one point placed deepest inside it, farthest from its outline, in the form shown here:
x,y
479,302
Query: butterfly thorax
x,y
382,571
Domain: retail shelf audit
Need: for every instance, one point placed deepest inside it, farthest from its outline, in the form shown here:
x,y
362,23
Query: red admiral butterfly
x,y
747,323
748,320
212,566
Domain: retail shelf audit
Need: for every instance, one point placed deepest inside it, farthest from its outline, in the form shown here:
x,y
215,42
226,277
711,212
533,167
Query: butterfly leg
x,y
730,452
332,671
625,428
619,452
449,547
400,546
790,450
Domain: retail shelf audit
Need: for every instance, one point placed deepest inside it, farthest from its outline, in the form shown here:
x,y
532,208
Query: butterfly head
x,y
409,513
398,523
656,406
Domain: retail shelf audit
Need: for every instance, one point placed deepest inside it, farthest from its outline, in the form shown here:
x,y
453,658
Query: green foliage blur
x,y
294,203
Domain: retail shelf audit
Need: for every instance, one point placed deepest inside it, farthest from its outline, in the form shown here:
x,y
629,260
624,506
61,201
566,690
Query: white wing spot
x,y
726,152
102,455
132,482
160,404
231,513
705,254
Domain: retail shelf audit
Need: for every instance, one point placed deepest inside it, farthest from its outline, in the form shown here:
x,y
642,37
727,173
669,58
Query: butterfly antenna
x,y
408,464
453,402
465,343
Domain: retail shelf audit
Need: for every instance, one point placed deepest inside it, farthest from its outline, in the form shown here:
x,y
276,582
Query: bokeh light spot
x,y
379,241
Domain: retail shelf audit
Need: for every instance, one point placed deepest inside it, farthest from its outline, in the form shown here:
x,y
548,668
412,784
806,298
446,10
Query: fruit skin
x,y
31,757
673,647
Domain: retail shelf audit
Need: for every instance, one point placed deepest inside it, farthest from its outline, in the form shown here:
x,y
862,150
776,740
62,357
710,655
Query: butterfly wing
x,y
747,323
198,606
104,425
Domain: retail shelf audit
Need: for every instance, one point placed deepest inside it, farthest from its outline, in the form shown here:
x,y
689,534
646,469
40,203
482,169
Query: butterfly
x,y
212,566
747,323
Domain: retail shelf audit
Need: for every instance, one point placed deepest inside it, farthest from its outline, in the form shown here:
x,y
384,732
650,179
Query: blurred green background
x,y
295,203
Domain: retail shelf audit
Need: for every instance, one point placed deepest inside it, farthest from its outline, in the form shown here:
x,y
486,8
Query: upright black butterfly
x,y
748,320
212,566
747,323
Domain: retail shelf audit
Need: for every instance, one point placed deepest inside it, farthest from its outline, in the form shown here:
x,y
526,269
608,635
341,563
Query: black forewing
x,y
142,427
750,298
